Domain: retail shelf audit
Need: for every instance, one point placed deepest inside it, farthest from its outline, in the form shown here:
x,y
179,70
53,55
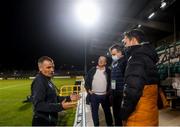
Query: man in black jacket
x,y
117,80
97,85
46,102
139,105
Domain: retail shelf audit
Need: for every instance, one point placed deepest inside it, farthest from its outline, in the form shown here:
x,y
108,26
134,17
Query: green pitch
x,y
13,112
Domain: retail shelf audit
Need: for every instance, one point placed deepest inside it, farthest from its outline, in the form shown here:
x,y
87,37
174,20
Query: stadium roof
x,y
130,14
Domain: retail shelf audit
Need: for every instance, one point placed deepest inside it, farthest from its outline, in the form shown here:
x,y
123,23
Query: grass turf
x,y
15,113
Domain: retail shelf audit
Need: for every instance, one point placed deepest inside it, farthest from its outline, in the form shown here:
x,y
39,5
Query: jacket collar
x,y
131,49
104,68
44,76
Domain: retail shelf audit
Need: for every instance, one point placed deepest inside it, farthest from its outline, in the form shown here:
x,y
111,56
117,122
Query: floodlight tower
x,y
88,14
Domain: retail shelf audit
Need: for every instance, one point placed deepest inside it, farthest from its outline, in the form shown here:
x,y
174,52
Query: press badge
x,y
113,84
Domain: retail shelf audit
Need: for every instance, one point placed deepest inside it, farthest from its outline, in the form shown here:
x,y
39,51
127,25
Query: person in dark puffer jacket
x,y
139,105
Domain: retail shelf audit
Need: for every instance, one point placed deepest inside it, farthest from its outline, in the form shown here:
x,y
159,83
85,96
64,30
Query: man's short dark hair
x,y
43,58
118,47
136,33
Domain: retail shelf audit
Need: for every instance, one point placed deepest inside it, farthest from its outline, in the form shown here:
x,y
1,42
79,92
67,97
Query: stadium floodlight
x,y
139,25
151,15
163,5
87,12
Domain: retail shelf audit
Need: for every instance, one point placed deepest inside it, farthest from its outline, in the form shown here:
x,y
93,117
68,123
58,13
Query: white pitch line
x,y
11,86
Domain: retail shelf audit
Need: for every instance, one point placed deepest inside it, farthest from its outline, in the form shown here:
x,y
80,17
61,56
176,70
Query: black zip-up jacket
x,y
140,70
46,102
90,75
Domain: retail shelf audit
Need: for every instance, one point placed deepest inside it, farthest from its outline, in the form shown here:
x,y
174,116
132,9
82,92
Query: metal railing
x,y
80,117
66,90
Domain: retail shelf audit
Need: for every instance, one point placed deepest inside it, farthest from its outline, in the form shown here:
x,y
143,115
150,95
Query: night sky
x,y
33,28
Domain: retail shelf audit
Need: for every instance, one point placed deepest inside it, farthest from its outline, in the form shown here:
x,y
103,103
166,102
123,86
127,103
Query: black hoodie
x,y
141,70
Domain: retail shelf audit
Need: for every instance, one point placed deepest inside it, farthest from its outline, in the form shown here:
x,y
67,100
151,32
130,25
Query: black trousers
x,y
95,100
117,99
39,121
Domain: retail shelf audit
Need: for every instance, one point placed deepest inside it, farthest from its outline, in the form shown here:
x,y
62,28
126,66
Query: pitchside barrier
x,y
80,118
56,77
32,77
66,90
62,77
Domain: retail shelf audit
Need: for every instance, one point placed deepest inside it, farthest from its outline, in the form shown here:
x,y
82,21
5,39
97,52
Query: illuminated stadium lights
x,y
87,12
163,5
139,25
92,62
151,15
